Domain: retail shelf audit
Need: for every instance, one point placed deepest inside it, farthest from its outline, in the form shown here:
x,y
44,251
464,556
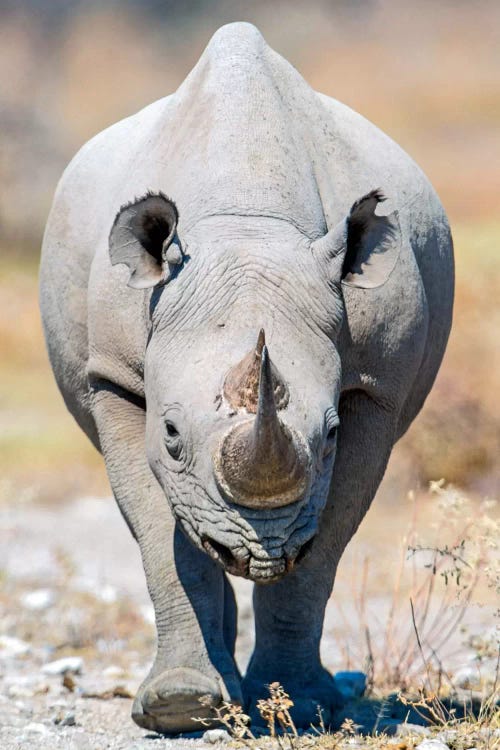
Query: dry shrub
x,y
435,585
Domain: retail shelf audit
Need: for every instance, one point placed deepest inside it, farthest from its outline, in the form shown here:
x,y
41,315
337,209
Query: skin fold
x,y
246,290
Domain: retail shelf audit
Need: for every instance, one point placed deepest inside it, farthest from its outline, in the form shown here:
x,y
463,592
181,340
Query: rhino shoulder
x,y
398,328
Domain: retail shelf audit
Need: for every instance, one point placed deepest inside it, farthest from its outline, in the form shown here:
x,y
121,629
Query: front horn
x,y
262,463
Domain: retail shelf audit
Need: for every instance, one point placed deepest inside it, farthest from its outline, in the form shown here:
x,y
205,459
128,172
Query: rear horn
x,y
241,385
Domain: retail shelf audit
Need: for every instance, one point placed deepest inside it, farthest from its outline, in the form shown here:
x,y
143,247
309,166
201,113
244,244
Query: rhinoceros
x,y
246,292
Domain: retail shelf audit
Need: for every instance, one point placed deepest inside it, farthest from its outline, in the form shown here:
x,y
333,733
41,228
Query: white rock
x,y
68,720
216,735
37,728
20,691
27,687
432,745
12,647
113,671
403,729
38,600
468,678
107,594
60,666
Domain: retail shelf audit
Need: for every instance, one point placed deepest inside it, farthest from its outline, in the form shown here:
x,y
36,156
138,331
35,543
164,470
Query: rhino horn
x,y
241,385
262,463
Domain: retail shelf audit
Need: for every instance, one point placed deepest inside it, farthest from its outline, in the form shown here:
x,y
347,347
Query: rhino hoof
x,y
170,702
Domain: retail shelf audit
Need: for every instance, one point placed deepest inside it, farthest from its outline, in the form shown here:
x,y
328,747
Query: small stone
x,y
432,745
11,647
350,684
448,736
107,594
20,691
72,664
113,671
38,600
68,720
467,678
216,735
68,682
36,727
406,730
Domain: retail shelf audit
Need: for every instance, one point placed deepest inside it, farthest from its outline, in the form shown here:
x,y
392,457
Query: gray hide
x,y
228,449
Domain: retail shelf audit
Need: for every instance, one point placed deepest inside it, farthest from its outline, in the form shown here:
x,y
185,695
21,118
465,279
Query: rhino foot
x,y
170,702
309,697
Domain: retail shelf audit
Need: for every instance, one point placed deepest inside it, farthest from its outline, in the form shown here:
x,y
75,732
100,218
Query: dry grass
x,y
446,566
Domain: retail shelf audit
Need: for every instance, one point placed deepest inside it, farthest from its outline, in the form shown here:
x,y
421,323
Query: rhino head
x,y
242,372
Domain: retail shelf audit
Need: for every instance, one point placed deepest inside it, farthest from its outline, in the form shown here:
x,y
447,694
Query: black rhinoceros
x,y
246,290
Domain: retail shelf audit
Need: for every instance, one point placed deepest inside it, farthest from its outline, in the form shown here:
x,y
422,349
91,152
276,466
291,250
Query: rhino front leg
x,y
289,614
189,592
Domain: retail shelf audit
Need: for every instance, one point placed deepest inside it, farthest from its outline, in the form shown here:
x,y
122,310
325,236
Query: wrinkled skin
x,y
188,397
152,307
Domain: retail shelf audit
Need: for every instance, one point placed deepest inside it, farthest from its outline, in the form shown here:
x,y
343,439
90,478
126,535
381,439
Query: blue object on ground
x,y
351,684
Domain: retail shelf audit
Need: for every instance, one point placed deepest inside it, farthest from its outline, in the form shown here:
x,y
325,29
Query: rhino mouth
x,y
260,570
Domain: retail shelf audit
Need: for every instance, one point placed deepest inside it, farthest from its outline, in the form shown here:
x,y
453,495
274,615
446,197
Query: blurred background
x,y
426,73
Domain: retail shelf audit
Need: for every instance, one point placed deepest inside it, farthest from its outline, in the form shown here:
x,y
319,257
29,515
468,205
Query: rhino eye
x,y
331,433
172,430
173,442
331,425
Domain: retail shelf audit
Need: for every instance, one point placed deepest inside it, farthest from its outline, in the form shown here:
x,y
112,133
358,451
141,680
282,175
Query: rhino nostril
x,y
304,551
223,554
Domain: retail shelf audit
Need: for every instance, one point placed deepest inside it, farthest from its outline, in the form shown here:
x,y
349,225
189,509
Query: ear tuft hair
x,y
148,194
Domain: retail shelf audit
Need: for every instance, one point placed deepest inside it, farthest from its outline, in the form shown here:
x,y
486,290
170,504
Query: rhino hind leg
x,y
194,668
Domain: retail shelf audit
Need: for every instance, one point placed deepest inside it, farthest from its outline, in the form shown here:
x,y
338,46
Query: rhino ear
x,y
362,249
143,237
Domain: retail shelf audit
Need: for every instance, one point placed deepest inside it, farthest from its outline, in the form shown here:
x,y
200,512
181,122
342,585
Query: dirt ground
x,y
73,587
